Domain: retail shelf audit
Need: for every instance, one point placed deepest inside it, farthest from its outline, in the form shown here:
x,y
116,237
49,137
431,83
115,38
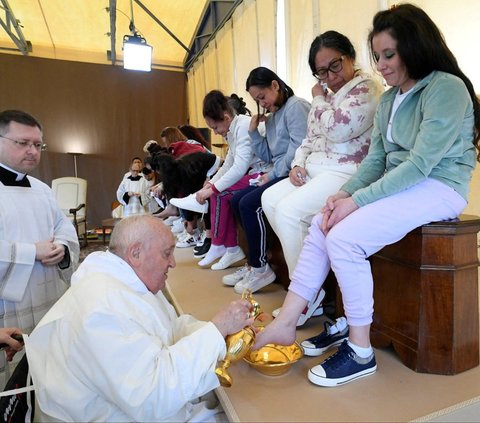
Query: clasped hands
x,y
49,252
337,207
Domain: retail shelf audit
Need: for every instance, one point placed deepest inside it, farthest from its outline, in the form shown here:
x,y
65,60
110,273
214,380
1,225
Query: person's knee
x,y
341,245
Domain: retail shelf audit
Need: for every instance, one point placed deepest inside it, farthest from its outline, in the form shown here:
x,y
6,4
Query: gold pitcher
x,y
238,344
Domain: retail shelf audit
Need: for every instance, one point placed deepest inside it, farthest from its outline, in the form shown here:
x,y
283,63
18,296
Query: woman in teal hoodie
x,y
418,169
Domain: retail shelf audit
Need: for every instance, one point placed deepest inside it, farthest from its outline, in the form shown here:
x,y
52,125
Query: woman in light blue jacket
x,y
418,169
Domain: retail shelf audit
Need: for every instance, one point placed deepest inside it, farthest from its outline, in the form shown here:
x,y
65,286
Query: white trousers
x,y
367,230
290,209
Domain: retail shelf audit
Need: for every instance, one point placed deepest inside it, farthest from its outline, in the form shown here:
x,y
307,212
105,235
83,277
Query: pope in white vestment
x,y
111,350
27,287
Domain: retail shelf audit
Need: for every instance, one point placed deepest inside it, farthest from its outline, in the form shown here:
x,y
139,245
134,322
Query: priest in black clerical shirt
x,y
38,244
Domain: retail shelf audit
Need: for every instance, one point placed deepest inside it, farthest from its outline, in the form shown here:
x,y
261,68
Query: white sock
x,y
360,351
215,251
233,250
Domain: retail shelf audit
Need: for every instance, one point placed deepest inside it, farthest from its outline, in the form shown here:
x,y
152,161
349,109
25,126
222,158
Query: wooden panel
x,y
105,112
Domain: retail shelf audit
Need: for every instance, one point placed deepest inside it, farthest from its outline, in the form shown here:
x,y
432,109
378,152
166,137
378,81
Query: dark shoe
x,y
332,336
201,251
342,367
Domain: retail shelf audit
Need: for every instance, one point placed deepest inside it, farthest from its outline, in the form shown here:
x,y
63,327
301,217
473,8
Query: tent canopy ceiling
x,y
80,30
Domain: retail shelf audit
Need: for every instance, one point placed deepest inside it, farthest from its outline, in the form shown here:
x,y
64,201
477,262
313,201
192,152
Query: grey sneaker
x,y
233,278
254,281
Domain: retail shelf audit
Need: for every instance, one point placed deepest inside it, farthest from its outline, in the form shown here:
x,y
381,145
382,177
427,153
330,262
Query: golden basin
x,y
273,359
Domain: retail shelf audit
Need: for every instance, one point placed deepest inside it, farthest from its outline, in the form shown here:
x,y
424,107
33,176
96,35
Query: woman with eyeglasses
x,y
338,135
425,143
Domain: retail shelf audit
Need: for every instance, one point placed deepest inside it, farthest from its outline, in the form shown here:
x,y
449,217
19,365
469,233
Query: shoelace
x,y
242,270
338,359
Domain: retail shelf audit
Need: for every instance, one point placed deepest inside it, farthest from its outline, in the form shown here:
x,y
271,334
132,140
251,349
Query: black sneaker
x,y
201,251
342,367
332,336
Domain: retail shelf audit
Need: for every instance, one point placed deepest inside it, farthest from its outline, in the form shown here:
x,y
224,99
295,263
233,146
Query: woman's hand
x,y
263,179
204,194
318,90
298,176
338,207
255,121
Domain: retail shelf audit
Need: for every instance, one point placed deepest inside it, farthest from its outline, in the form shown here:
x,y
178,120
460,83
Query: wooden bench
x,y
426,295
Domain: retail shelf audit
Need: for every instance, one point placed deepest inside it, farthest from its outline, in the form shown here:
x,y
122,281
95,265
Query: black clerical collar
x,y
9,178
135,178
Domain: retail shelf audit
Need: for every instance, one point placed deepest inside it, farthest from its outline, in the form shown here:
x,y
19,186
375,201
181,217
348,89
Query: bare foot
x,y
275,333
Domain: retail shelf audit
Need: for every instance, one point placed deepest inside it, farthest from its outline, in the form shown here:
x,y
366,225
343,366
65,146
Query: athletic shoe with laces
x,y
190,203
253,281
182,235
332,336
342,367
313,308
228,259
171,219
202,250
189,241
202,239
178,226
233,278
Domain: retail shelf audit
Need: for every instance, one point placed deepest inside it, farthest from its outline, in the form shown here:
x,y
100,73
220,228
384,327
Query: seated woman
x,y
339,129
418,169
286,126
239,168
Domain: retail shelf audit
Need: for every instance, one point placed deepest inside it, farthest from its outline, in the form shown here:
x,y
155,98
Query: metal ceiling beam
x,y
149,13
112,55
23,46
216,15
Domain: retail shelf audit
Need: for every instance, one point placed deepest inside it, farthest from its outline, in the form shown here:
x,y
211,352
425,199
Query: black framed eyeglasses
x,y
25,145
335,66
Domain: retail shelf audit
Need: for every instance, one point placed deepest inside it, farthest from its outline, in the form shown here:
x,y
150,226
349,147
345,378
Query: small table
x,y
109,224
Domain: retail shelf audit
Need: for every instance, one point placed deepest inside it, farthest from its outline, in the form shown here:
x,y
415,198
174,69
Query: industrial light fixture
x,y
137,54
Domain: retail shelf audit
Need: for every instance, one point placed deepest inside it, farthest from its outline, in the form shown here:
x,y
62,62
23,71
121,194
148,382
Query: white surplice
x,y
110,350
28,288
135,205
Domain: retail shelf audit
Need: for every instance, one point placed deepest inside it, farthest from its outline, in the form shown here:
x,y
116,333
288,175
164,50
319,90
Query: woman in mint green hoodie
x,y
418,169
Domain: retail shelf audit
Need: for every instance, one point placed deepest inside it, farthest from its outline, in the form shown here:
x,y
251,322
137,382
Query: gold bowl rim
x,y
286,364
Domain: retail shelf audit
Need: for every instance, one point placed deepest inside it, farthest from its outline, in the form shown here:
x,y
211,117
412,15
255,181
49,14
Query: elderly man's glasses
x,y
335,66
25,145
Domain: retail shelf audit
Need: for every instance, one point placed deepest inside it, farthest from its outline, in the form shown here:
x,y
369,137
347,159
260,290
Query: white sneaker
x,y
171,219
313,308
182,235
254,281
190,203
178,226
233,278
189,241
228,259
